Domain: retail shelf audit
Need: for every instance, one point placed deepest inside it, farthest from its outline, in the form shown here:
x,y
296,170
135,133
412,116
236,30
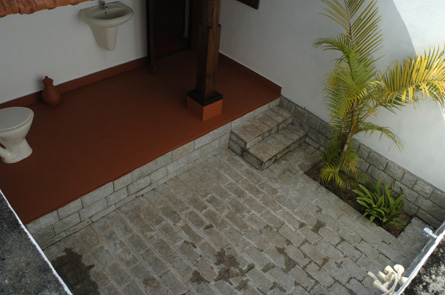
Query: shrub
x,y
380,205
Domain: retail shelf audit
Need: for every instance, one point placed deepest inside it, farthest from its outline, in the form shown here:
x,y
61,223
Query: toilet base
x,y
17,153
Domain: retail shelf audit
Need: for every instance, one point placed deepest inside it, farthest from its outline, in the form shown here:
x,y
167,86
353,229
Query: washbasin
x,y
104,19
107,15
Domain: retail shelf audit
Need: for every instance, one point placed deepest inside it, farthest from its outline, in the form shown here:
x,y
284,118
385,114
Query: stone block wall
x,y
422,198
104,200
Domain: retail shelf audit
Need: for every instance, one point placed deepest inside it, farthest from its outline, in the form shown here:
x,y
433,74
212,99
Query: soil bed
x,y
349,197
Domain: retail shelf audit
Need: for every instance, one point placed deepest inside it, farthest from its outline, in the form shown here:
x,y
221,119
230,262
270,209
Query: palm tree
x,y
355,89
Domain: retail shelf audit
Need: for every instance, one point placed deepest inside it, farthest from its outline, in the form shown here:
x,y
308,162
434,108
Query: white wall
x,y
276,41
57,44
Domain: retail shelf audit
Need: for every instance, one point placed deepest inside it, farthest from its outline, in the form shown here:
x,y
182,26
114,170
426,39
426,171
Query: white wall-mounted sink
x,y
104,20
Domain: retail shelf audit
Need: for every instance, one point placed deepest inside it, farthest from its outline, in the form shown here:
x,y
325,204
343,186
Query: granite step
x,y
261,142
253,131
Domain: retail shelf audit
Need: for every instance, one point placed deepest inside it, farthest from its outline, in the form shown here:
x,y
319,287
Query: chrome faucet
x,y
102,4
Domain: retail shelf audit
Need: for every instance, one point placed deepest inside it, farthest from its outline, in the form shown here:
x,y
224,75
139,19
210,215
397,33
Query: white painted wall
x,y
276,41
57,44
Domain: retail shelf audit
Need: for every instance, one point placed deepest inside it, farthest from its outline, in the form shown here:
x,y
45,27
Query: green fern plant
x,y
355,90
380,205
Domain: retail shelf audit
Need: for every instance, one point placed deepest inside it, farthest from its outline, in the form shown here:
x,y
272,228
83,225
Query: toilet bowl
x,y
14,126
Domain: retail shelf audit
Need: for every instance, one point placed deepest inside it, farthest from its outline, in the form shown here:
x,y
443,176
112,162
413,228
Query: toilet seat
x,y
14,117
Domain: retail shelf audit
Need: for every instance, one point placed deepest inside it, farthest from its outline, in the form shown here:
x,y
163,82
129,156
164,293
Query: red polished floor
x,y
105,130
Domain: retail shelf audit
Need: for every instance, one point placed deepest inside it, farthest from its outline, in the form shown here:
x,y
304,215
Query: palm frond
x,y
424,74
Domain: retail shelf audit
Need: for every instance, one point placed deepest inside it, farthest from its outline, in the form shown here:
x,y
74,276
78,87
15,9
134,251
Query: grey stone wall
x,y
78,214
422,199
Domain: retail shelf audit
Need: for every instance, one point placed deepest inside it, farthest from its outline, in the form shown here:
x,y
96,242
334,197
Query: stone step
x,y
253,131
270,144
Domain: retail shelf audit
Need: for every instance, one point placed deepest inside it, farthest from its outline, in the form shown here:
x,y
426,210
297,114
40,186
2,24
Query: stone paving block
x,y
109,289
170,233
257,257
164,160
120,225
435,211
44,235
237,221
143,171
75,228
138,185
224,288
320,290
257,239
216,237
355,270
133,289
352,238
43,222
349,250
309,235
428,218
358,288
163,248
188,252
194,201
272,219
314,253
116,197
235,237
70,209
394,170
367,249
66,223
97,194
210,147
338,289
158,174
259,280
93,209
195,219
122,182
191,234
284,280
181,267
438,197
337,271
152,260
173,283
215,219
423,188
409,179
203,140
329,235
137,243
171,214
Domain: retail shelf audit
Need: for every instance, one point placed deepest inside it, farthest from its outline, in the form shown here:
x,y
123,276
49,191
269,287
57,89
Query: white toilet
x,y
14,126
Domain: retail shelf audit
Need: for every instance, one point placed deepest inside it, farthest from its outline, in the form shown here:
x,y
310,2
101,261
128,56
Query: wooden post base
x,y
204,109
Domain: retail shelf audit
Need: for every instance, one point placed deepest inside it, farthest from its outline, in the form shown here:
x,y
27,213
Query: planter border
x,y
423,200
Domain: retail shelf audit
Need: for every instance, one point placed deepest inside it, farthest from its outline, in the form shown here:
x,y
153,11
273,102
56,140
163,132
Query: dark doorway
x,y
171,29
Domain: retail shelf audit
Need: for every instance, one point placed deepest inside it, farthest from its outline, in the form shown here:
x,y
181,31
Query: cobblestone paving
x,y
224,228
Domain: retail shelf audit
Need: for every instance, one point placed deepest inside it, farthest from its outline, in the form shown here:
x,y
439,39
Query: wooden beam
x,y
205,96
210,32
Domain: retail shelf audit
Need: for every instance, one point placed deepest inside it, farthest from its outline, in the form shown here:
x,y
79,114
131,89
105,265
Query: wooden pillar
x,y
204,101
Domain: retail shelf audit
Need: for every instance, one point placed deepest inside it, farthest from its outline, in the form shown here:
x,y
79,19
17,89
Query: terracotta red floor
x,y
105,130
